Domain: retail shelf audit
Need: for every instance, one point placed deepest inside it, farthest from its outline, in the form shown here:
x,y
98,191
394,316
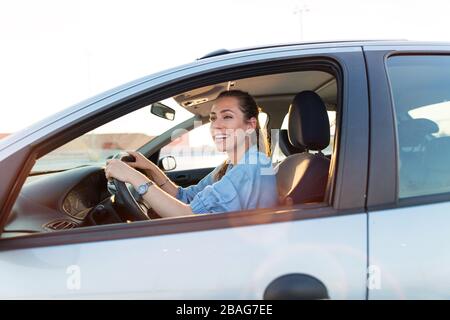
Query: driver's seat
x,y
303,177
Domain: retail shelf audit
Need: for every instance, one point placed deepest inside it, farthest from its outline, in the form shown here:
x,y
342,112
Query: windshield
x,y
129,132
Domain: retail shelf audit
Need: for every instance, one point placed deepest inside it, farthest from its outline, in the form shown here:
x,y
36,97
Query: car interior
x,y
420,142
301,110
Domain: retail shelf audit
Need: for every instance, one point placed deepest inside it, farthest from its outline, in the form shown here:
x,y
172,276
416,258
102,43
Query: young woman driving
x,y
245,181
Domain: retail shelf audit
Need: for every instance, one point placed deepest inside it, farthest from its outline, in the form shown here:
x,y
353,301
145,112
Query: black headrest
x,y
286,147
309,126
412,132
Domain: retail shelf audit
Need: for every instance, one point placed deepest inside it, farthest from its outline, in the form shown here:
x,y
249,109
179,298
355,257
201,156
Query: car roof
x,y
218,56
324,44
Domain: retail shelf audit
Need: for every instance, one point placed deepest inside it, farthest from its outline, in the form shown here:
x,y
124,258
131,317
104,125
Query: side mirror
x,y
162,111
167,163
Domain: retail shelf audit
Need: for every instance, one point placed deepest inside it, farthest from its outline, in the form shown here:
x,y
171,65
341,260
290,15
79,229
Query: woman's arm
x,y
164,204
156,174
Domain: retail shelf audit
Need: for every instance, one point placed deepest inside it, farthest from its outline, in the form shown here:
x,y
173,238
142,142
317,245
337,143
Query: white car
x,y
369,215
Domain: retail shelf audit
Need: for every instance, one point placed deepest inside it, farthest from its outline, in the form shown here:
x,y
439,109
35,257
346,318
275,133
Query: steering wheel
x,y
134,210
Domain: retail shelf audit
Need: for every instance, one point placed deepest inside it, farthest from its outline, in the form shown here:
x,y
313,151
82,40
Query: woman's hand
x,y
141,161
154,173
120,170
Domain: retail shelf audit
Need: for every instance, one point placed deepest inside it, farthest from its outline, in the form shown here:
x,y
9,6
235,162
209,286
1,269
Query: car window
x,y
421,94
194,150
128,132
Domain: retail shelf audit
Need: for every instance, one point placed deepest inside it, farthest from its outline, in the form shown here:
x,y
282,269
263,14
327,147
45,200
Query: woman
x,y
245,181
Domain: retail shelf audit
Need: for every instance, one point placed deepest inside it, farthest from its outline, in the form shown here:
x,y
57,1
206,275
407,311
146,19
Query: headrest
x,y
412,132
286,147
308,126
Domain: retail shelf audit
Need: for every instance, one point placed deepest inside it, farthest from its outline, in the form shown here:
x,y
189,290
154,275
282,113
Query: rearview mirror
x,y
162,111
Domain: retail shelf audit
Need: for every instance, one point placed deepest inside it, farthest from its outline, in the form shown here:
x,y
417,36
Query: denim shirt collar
x,y
250,157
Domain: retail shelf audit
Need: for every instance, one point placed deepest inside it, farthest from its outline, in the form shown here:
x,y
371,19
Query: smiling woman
x,y
245,181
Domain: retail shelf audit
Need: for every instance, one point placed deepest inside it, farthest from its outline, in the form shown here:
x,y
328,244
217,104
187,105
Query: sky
x,y
55,53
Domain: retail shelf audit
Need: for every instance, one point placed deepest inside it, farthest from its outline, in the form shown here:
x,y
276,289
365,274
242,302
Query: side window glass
x,y
332,118
421,95
194,150
128,132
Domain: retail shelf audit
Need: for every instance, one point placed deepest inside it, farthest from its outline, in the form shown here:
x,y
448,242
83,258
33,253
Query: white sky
x,y
55,53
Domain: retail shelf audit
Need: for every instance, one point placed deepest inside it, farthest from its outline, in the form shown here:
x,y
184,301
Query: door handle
x,y
296,286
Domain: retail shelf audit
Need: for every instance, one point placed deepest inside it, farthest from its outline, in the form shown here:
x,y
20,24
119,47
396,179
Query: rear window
x,y
421,95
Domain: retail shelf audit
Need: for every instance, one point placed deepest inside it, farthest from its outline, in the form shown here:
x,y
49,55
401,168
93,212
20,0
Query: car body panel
x,y
410,248
231,263
408,238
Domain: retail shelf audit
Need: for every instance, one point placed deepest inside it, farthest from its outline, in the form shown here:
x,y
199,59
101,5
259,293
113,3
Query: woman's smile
x,y
220,137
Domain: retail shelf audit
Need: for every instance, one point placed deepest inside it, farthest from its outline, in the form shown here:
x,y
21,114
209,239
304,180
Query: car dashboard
x,y
57,201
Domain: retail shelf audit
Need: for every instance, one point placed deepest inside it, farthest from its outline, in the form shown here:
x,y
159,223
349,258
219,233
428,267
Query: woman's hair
x,y
250,109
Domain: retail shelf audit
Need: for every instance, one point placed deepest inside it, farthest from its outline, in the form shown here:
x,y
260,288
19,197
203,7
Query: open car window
x,y
125,133
67,199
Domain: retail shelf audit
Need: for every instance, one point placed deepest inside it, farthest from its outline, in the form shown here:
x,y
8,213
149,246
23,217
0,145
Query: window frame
x,y
383,189
344,197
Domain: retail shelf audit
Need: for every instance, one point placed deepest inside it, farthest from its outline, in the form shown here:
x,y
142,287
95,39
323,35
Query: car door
x,y
240,255
409,182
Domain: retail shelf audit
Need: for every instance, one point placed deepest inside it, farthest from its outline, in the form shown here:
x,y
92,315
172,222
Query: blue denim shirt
x,y
249,184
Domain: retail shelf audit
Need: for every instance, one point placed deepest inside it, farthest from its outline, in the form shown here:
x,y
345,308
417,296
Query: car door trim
x,y
175,225
382,179
383,188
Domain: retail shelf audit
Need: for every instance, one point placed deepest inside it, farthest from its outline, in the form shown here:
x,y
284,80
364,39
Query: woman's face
x,y
228,124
